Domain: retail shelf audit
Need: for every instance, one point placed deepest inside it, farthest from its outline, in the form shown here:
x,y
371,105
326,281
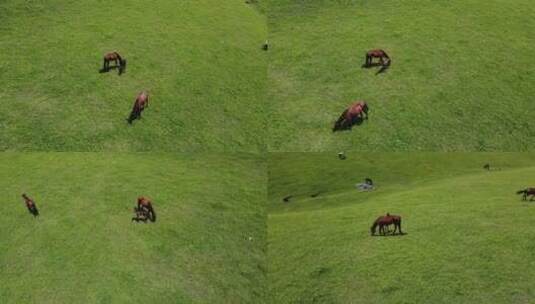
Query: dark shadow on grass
x,y
121,69
356,122
383,69
385,235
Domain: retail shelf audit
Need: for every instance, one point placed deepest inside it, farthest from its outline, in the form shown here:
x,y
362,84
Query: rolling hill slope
x,y
206,246
469,237
200,61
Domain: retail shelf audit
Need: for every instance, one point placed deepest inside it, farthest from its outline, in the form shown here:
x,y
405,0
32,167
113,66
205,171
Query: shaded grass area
x,y
207,245
469,236
199,60
461,77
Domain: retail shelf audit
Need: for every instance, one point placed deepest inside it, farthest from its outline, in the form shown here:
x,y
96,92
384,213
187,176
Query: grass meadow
x,y
200,61
461,77
206,246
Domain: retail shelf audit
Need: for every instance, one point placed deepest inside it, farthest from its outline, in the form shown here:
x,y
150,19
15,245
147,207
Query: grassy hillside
x,y
207,245
200,61
461,78
469,238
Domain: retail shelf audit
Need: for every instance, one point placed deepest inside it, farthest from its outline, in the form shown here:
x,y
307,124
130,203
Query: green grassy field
x,y
470,238
201,62
207,245
461,79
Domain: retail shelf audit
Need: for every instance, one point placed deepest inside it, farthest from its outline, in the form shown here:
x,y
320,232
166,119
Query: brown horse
x,y
115,57
526,192
384,60
358,111
145,204
384,222
142,101
30,204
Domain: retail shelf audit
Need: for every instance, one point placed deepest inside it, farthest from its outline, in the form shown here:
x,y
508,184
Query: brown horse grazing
x,y
384,60
357,111
142,101
526,192
115,57
30,204
384,222
144,204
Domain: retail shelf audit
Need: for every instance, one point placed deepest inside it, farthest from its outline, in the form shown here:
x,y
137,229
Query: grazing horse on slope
x,y
145,204
30,204
358,110
526,192
384,60
142,101
384,222
115,57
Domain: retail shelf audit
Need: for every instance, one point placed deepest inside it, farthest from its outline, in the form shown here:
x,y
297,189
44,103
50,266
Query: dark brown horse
x,y
526,192
120,63
384,222
30,204
142,101
384,60
358,111
145,205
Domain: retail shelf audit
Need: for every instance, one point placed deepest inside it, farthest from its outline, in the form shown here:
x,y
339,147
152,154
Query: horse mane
x,y
119,56
522,191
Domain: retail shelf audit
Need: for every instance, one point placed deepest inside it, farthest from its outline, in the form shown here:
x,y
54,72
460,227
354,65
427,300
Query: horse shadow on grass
x,y
390,234
383,68
357,121
120,69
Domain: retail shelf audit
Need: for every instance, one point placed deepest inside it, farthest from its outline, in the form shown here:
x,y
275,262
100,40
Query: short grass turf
x,y
462,75
206,246
469,238
201,62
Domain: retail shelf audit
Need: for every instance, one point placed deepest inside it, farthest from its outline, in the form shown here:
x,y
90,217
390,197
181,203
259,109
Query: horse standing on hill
x,y
526,192
30,204
384,222
384,60
115,57
357,111
142,102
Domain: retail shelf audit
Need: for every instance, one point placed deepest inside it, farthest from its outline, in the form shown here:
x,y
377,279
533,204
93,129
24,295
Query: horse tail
x,y
522,191
153,214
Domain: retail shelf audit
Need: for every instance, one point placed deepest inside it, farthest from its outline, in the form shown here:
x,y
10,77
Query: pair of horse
x,y
358,111
527,192
142,99
30,204
120,63
384,222
144,210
